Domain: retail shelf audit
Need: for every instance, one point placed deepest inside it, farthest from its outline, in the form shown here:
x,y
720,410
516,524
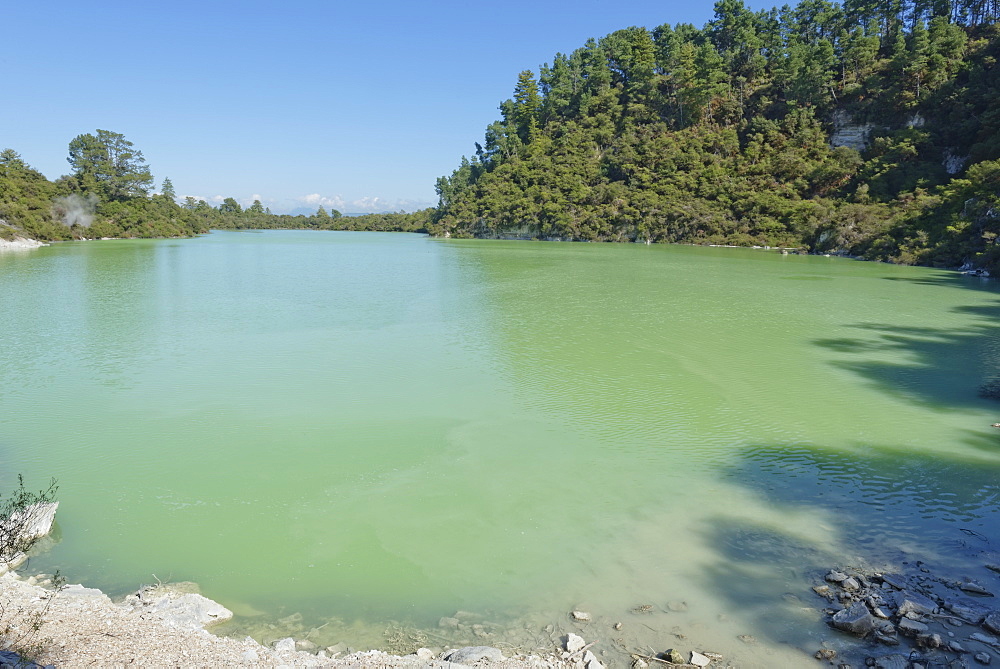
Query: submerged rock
x,y
856,620
286,645
895,661
912,628
970,612
911,602
474,654
573,642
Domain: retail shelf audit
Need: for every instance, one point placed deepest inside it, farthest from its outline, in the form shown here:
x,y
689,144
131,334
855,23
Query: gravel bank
x,y
83,627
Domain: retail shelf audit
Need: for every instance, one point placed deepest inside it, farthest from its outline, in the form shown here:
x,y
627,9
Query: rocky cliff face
x,y
849,134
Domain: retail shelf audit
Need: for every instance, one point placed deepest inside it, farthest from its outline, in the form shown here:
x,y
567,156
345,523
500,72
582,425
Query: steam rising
x,y
76,209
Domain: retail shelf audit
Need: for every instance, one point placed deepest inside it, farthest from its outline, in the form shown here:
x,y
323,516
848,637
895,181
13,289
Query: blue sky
x,y
356,105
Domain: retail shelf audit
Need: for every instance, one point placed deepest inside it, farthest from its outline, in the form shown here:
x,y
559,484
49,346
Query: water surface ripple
x,y
382,427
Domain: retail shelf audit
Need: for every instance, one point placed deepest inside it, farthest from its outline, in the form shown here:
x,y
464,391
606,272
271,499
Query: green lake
x,y
378,430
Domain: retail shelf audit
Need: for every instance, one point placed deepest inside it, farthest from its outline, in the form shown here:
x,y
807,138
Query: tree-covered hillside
x,y
869,127
106,195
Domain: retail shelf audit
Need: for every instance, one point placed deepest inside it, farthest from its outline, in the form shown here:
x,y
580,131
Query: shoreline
x,y
20,244
169,626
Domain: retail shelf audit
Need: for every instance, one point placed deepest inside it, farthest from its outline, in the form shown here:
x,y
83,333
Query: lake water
x,y
376,430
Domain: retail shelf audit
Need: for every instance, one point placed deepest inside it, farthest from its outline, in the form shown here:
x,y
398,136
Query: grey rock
x,y
886,633
849,134
474,654
930,640
581,616
992,622
425,654
190,610
11,659
673,656
894,661
80,591
856,620
912,628
286,645
975,588
590,661
912,602
573,642
894,580
250,656
836,576
448,623
850,583
983,658
970,612
699,660
984,638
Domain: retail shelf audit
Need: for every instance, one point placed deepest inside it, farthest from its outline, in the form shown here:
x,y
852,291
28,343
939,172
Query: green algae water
x,y
377,430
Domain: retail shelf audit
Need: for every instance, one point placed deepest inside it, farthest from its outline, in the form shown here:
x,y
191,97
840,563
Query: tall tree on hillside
x,y
168,189
527,105
109,165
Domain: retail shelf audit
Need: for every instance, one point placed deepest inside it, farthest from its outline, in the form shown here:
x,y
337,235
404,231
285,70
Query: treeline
x,y
106,195
230,215
869,127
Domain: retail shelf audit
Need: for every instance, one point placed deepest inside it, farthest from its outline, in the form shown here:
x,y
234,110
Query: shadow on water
x,y
884,511
943,368
881,506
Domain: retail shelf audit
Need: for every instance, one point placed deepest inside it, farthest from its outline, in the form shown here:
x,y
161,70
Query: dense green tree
x,y
109,165
168,189
230,206
723,135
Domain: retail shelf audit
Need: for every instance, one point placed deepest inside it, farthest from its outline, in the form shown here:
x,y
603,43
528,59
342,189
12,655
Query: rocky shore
x,y
911,618
165,626
19,243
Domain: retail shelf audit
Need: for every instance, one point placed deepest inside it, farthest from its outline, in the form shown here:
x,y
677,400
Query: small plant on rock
x,y
24,518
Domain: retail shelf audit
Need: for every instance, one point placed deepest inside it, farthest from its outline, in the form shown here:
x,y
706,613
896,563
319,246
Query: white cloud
x,y
377,204
317,200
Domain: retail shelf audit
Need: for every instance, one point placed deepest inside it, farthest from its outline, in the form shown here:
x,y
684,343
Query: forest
x,y
868,128
109,194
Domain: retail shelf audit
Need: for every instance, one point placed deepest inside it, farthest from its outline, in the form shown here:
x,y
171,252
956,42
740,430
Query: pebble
x,y
581,616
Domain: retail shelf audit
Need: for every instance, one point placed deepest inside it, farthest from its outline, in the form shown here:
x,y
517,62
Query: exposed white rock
x,y
852,135
699,660
573,642
19,244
